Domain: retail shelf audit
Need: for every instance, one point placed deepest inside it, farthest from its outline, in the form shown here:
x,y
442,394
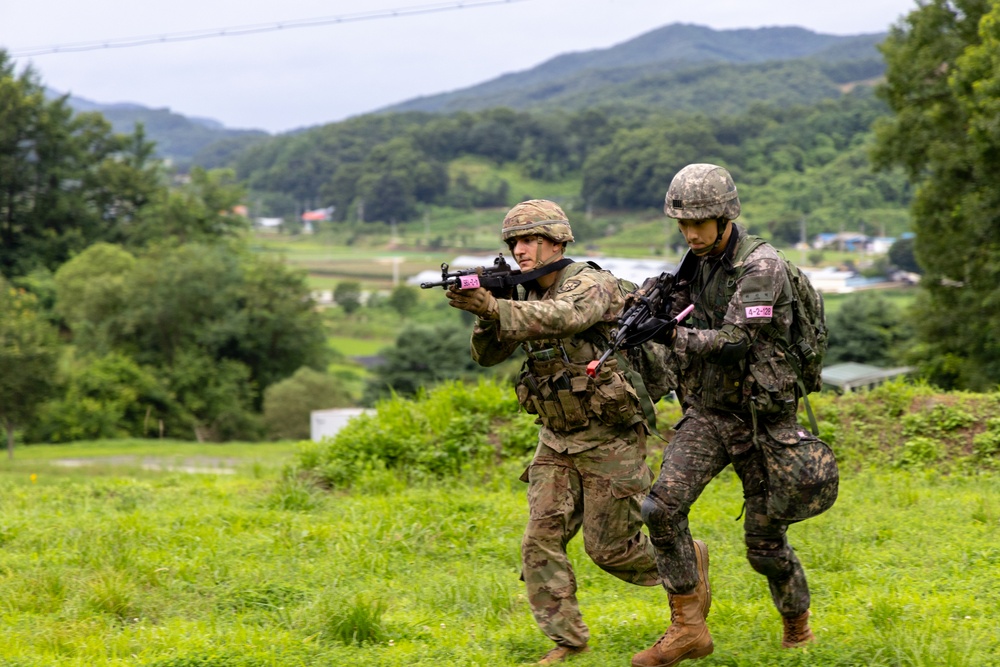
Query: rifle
x,y
640,321
496,278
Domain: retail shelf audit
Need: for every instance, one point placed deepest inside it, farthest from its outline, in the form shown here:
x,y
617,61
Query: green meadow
x,y
185,555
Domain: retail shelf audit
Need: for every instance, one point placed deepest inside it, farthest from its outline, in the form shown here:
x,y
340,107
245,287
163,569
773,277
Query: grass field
x,y
113,563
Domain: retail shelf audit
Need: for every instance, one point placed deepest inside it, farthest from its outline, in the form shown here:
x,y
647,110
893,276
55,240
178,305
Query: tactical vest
x,y
766,384
555,386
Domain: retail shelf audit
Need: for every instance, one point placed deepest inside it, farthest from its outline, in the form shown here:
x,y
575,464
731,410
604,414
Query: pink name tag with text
x,y
469,282
759,311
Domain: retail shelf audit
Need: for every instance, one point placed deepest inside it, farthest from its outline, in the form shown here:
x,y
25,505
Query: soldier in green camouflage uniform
x,y
589,471
736,387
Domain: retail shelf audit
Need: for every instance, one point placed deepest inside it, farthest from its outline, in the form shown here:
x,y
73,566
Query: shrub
x,y
439,432
288,403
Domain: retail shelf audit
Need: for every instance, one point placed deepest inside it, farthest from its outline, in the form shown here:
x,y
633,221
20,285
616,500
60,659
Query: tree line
x,y
797,163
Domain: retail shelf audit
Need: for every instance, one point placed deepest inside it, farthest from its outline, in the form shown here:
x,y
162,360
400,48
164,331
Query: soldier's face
x,y
700,234
530,251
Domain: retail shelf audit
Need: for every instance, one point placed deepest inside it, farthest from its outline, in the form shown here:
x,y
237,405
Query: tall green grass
x,y
113,564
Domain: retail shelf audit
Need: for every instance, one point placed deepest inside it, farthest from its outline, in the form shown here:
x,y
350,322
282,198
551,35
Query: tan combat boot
x,y
560,653
686,638
704,588
797,632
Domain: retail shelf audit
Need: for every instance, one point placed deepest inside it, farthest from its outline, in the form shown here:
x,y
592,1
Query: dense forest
x,y
800,162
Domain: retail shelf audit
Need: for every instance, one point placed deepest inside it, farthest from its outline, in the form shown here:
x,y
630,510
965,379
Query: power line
x,y
234,31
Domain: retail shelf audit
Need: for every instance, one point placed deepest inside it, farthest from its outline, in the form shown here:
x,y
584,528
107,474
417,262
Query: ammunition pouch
x,y
565,398
771,389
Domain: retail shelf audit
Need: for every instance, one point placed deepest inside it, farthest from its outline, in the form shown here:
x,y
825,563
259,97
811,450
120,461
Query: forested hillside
x,y
680,67
177,138
792,163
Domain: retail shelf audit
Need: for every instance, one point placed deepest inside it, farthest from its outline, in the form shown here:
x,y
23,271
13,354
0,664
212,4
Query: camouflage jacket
x,y
555,325
725,360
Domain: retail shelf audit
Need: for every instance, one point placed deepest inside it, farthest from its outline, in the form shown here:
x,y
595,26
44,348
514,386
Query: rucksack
x,y
809,337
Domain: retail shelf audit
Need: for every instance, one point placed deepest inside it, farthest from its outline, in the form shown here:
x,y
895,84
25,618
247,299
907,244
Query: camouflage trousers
x,y
599,490
705,442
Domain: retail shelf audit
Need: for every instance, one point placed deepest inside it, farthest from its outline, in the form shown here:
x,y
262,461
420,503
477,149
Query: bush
x,y
288,404
111,397
440,432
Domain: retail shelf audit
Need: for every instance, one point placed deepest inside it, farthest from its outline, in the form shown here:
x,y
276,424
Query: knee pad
x,y
663,522
772,562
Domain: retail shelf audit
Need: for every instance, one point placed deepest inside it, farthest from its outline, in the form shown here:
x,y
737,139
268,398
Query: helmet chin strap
x,y
538,250
720,227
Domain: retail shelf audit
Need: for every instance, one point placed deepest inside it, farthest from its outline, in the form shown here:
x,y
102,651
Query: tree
x,y
347,294
109,396
67,179
28,357
868,329
942,82
288,404
215,323
403,299
902,257
423,356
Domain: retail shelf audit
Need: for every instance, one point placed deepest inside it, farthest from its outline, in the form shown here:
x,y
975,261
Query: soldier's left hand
x,y
478,301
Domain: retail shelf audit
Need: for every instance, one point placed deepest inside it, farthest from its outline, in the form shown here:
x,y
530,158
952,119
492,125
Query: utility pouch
x,y
770,389
802,473
614,400
550,389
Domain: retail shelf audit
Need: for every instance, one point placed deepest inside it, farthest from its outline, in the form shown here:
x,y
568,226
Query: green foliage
x,y
68,181
423,356
904,424
901,255
439,432
347,294
28,358
403,299
940,83
216,324
868,329
288,403
108,397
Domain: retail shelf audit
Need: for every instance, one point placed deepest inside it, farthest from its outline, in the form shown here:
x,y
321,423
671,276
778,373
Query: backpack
x,y
809,336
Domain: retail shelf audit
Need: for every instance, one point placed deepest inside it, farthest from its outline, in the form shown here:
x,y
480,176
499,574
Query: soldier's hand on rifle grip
x,y
478,301
647,286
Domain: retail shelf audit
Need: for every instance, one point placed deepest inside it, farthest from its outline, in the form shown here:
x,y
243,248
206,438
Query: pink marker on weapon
x,y
468,282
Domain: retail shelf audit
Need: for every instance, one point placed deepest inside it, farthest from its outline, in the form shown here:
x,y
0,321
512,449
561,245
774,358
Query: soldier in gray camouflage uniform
x,y
736,388
589,470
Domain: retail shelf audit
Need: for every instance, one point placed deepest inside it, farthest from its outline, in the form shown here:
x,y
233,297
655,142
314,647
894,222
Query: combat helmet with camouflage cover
x,y
537,217
701,192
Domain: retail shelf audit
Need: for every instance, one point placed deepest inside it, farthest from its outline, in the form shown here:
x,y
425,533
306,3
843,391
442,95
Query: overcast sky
x,y
279,80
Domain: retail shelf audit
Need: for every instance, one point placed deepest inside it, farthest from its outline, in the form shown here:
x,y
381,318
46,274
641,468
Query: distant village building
x,y
850,376
327,423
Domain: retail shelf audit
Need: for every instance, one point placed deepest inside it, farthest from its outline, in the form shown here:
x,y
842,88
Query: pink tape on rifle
x,y
759,311
468,282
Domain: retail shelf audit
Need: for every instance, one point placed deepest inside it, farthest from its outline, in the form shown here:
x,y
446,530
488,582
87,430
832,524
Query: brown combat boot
x,y
797,632
560,653
704,589
686,638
